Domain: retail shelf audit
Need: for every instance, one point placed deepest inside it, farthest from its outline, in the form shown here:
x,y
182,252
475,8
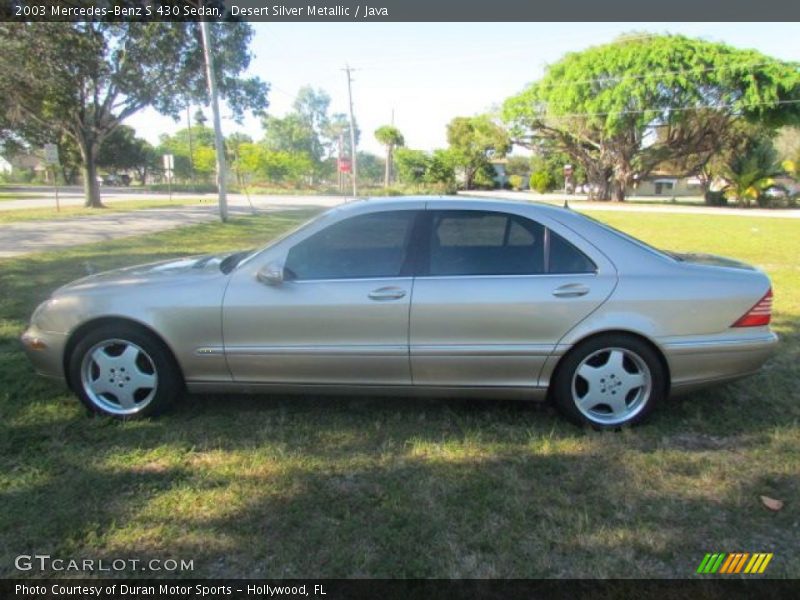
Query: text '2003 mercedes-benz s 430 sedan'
x,y
445,296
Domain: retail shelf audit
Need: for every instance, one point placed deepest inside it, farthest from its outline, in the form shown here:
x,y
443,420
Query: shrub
x,y
197,188
516,182
716,198
542,181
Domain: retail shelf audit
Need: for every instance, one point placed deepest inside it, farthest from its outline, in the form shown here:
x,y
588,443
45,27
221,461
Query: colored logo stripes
x,y
735,562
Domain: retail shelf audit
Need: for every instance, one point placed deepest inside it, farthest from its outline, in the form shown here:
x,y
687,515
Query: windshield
x,y
632,239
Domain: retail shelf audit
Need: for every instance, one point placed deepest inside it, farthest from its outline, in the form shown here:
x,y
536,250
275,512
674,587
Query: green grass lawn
x,y
49,213
21,196
372,487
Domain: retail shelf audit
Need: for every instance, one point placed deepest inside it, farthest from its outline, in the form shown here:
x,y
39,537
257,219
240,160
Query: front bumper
x,y
695,363
45,349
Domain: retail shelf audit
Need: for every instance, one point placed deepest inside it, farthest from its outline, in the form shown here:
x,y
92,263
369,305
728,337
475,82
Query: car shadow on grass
x,y
434,491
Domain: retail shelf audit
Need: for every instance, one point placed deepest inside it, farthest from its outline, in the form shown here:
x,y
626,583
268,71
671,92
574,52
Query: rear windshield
x,y
631,239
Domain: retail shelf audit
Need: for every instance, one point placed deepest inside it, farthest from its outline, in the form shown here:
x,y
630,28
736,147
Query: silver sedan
x,y
446,296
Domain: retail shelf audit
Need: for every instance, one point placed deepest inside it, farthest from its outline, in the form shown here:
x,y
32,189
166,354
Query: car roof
x,y
456,203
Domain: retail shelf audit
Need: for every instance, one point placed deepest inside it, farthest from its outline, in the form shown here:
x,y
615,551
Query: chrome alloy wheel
x,y
611,385
119,377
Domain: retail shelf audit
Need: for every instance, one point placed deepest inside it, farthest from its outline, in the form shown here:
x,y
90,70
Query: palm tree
x,y
389,136
750,171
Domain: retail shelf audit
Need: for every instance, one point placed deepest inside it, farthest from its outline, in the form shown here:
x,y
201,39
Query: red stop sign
x,y
344,165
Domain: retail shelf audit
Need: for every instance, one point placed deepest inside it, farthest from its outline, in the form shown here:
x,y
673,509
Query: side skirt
x,y
510,393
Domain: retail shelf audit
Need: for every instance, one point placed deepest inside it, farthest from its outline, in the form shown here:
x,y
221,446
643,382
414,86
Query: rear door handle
x,y
571,290
387,293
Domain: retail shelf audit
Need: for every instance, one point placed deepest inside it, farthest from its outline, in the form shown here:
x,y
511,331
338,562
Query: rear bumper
x,y
45,350
695,363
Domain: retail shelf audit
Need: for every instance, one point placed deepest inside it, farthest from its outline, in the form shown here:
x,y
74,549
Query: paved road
x,y
113,195
36,236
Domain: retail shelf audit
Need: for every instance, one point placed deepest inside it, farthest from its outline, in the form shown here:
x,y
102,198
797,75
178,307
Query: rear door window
x,y
467,242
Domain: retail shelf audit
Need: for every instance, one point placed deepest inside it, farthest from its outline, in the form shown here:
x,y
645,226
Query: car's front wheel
x,y
609,381
124,372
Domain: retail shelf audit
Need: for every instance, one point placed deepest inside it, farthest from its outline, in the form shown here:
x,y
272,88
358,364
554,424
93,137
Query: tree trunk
x,y
88,148
90,188
387,175
619,191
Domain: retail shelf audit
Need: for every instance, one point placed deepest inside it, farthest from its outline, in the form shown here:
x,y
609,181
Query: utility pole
x,y
191,149
219,143
353,162
339,162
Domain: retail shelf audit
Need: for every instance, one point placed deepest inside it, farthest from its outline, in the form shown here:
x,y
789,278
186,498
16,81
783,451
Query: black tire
x,y
143,360
582,401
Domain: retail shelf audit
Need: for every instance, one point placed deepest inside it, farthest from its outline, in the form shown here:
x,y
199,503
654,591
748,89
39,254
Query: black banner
x,y
405,589
366,11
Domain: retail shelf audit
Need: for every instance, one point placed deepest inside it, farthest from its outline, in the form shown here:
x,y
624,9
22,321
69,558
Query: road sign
x,y
51,154
344,165
169,162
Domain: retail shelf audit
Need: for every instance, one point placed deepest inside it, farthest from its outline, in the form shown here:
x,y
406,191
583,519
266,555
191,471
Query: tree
x,y
200,117
473,141
311,109
370,168
339,128
257,162
309,130
542,181
441,170
83,79
412,165
123,151
233,144
750,169
787,145
622,109
389,136
191,148
518,165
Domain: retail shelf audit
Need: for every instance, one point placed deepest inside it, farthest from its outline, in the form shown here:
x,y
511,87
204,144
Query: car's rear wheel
x,y
124,372
609,381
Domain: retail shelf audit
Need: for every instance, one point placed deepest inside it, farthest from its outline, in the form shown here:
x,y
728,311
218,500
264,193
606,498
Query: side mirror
x,y
271,274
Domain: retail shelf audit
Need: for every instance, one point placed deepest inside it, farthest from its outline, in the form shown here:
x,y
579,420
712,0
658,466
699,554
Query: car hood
x,y
711,260
173,270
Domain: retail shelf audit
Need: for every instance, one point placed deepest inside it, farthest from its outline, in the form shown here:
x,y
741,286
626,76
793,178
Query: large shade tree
x,y
83,79
622,109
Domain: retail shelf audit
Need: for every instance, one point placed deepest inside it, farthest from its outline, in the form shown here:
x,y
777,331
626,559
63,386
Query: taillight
x,y
759,315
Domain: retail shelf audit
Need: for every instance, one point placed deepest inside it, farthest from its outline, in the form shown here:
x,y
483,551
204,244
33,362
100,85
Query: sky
x,y
428,73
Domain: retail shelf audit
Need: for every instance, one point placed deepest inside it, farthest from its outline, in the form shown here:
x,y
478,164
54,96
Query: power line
x,y
610,78
667,109
353,158
460,58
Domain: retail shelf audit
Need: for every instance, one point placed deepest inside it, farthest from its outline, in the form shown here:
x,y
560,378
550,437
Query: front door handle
x,y
571,290
387,293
